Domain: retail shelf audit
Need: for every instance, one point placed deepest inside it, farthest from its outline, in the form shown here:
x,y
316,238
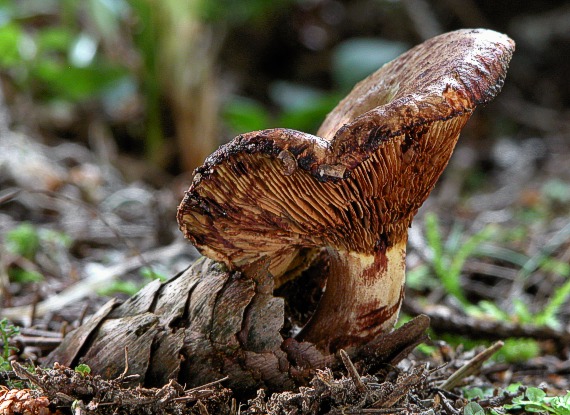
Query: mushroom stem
x,y
362,298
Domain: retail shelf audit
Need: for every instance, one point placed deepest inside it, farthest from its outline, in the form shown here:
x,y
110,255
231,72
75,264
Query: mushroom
x,y
352,189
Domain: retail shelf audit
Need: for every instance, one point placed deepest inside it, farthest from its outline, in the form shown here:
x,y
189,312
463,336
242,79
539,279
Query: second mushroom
x,y
353,188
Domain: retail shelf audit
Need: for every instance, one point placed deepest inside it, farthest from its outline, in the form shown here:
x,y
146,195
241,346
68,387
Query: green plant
x,y
541,260
7,331
521,312
83,369
24,276
535,400
473,408
449,258
24,240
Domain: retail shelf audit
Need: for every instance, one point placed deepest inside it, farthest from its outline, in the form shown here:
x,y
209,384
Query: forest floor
x,y
85,218
488,261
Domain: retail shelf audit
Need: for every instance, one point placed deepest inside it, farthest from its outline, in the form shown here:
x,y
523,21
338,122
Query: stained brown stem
x,y
362,298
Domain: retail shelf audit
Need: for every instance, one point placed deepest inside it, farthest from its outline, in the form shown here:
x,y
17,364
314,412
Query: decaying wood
x,y
207,323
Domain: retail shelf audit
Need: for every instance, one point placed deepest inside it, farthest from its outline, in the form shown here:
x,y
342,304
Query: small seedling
x,y
535,400
521,312
29,241
7,331
449,258
83,369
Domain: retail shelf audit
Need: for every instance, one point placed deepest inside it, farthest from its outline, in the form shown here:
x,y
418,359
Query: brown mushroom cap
x,y
355,187
273,190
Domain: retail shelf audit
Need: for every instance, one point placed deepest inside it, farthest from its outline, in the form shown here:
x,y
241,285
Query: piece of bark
x,y
108,348
67,352
207,323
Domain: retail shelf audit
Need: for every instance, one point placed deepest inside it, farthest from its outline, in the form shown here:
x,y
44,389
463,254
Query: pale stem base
x,y
362,298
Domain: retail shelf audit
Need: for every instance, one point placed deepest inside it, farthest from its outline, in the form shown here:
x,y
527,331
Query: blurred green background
x,y
170,80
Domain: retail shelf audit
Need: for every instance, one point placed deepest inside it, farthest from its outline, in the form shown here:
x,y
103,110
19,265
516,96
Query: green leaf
x,y
472,393
548,314
83,369
468,248
4,365
557,267
519,350
534,407
513,387
535,394
522,311
473,408
489,309
561,404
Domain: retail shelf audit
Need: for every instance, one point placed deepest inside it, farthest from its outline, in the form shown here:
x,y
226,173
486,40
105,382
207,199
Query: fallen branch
x,y
445,319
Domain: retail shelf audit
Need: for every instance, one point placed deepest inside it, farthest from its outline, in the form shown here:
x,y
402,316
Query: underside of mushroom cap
x,y
357,185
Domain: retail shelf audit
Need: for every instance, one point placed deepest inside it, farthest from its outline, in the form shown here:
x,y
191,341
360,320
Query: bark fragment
x,y
207,323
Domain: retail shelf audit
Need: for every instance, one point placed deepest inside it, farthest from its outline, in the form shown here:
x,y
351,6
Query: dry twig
x,y
471,367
